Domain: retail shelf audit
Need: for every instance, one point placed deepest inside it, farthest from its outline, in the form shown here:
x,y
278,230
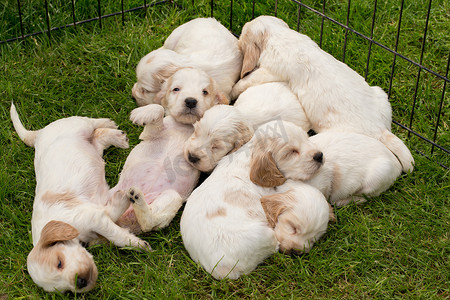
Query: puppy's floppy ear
x,y
221,98
160,97
332,217
57,231
243,135
274,205
263,169
251,45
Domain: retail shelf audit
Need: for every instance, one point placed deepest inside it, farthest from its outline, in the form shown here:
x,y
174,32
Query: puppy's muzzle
x,y
193,159
190,102
318,157
81,282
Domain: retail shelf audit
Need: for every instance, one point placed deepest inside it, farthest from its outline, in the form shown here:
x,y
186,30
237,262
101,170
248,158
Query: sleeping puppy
x,y
224,129
73,202
156,165
223,226
334,97
354,165
202,43
299,215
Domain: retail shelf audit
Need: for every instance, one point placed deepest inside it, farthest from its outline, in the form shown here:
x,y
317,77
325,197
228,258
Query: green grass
x,y
394,246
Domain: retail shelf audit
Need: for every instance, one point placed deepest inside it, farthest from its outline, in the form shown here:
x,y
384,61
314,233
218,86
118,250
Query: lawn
x,y
394,246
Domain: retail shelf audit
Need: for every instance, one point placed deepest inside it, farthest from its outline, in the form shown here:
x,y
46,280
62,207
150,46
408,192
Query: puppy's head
x,y
151,72
299,218
220,131
280,151
253,40
59,262
188,93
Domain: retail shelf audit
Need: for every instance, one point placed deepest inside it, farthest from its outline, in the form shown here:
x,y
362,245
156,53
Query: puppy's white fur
x,y
299,215
73,202
224,128
223,225
355,165
334,96
188,93
202,43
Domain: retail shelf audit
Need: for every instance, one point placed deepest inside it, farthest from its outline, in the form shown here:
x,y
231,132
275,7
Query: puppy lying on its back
x,y
201,43
73,202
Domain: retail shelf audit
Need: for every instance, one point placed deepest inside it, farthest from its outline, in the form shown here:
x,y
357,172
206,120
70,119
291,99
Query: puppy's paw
x,y
143,245
135,196
120,139
147,115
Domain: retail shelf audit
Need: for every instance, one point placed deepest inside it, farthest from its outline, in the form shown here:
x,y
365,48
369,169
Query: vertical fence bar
x,y
99,10
212,8
346,31
276,8
253,9
123,14
420,69
231,15
321,24
396,47
73,14
299,10
440,105
47,18
20,18
371,40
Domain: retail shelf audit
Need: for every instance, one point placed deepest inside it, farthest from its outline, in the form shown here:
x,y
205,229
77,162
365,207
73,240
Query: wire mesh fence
x,y
415,80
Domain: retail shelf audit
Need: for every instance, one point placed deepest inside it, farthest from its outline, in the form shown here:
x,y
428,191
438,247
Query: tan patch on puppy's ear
x,y
332,217
165,72
57,231
251,46
274,205
264,171
244,134
222,99
161,96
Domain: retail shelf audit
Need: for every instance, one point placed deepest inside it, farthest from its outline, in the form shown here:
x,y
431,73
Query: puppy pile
x,y
271,185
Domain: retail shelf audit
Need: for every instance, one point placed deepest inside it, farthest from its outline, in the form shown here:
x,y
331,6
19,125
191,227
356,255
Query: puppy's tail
x,y
27,136
396,146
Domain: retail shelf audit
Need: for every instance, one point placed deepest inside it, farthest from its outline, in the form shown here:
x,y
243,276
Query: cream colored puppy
x,y
224,128
354,166
334,97
156,165
73,202
223,226
201,43
299,215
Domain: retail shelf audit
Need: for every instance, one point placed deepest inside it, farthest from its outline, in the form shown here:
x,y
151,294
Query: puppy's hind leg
x,y
103,123
119,203
151,117
102,138
159,213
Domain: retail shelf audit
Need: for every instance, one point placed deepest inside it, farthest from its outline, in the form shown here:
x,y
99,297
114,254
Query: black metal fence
x,y
439,122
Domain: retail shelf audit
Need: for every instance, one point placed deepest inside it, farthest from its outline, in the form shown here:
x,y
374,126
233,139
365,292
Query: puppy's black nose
x,y
132,98
193,159
318,157
81,282
190,102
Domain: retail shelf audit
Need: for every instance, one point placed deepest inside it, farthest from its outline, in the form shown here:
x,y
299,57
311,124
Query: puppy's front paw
x,y
149,114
